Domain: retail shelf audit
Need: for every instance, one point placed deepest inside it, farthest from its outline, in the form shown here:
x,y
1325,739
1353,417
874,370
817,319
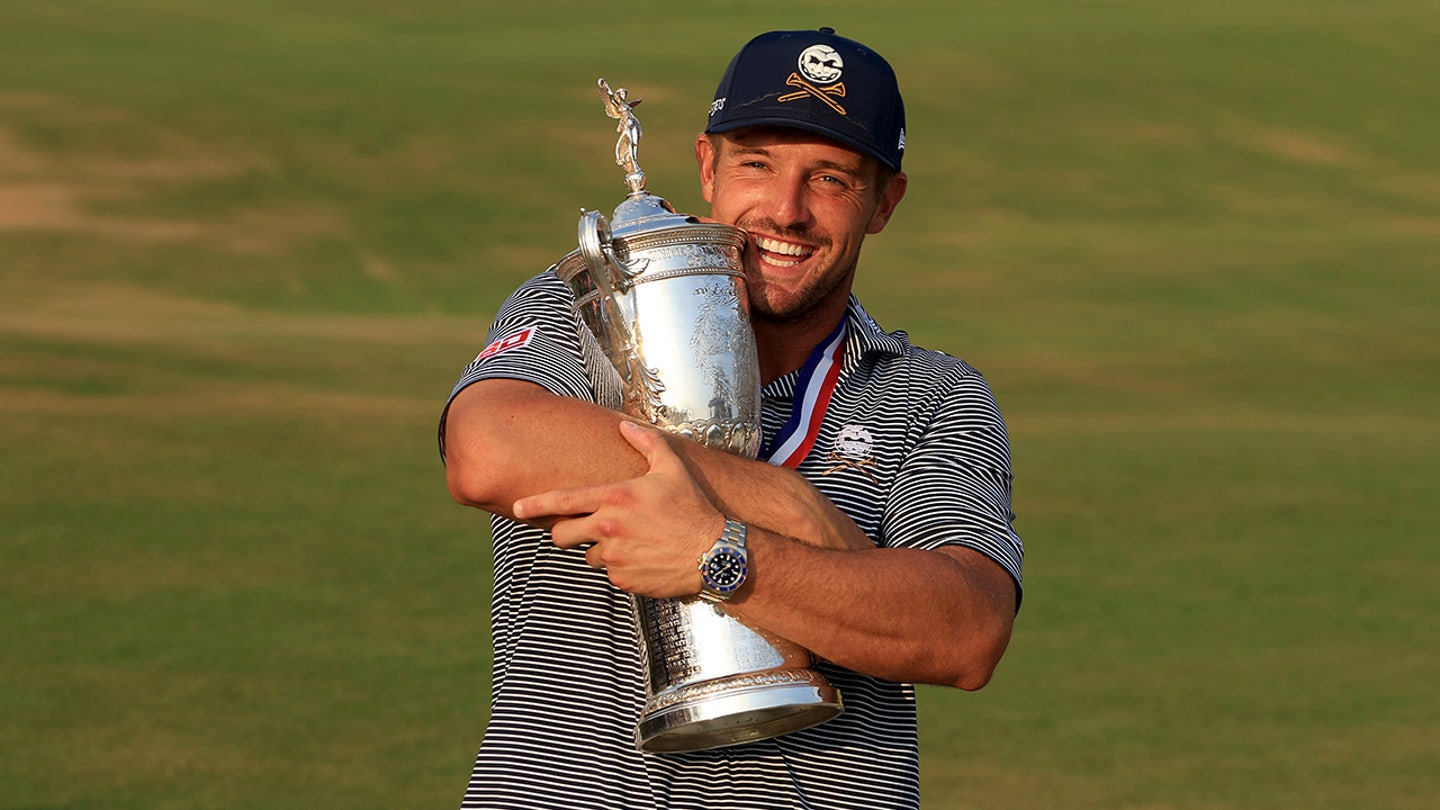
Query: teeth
x,y
782,248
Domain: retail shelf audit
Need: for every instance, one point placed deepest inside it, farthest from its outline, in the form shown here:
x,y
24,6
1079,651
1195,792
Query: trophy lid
x,y
642,211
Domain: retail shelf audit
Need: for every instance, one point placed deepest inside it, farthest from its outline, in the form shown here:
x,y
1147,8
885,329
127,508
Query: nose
x,y
788,202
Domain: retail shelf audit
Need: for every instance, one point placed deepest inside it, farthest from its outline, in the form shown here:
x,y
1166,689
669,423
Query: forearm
x,y
941,617
507,439
770,497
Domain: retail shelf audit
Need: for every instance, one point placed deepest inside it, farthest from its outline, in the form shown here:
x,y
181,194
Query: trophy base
x,y
742,709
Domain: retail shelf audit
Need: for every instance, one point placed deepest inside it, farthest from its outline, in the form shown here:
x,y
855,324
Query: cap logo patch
x,y
821,65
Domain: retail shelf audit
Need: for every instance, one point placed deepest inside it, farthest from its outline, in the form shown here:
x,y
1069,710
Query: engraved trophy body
x,y
664,295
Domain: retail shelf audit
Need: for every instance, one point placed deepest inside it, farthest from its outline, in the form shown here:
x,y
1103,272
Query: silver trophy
x,y
664,295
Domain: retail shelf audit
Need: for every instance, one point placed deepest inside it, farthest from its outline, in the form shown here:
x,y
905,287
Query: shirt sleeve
x,y
536,337
954,487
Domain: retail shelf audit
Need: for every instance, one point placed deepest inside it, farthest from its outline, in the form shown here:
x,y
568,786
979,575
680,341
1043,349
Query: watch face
x,y
725,570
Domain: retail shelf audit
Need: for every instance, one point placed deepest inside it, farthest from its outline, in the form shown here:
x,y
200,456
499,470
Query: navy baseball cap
x,y
816,81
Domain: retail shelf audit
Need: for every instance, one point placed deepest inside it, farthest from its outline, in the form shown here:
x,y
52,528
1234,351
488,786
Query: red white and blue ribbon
x,y
813,390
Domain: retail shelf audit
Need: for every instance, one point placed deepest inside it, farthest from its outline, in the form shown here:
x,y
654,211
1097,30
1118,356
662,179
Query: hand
x,y
646,533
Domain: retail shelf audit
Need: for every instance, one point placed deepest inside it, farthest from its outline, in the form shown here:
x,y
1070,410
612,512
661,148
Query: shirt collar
x,y
865,335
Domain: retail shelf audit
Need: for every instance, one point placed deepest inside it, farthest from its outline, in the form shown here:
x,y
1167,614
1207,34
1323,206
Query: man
x,y
886,549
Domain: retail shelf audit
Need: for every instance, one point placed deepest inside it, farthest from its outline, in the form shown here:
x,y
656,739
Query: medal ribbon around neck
x,y
812,397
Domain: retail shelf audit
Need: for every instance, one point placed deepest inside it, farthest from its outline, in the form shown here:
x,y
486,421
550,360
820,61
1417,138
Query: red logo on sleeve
x,y
516,341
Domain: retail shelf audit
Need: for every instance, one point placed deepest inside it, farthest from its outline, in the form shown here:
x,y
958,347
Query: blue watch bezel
x,y
729,546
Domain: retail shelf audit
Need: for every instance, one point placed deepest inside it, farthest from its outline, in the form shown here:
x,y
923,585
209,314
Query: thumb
x,y
650,444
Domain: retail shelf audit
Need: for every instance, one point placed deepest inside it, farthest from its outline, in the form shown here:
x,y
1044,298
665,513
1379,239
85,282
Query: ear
x,y
705,156
889,198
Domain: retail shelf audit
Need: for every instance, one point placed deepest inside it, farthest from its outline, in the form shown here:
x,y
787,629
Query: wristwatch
x,y
724,566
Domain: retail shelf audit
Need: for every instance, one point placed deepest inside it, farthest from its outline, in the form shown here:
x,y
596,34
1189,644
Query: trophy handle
x,y
611,274
597,248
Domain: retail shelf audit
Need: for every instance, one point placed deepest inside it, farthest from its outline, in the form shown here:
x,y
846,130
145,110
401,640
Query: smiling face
x,y
807,203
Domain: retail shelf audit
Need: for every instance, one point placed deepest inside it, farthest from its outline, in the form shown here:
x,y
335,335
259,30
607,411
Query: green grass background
x,y
245,248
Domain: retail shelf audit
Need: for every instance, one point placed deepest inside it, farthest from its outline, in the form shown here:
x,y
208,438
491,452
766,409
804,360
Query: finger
x,y
571,533
593,558
652,445
557,503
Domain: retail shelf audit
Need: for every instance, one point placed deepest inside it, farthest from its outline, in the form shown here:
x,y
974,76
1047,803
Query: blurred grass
x,y
233,577
244,251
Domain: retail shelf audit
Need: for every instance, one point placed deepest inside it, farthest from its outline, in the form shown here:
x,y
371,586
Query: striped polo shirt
x,y
912,448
